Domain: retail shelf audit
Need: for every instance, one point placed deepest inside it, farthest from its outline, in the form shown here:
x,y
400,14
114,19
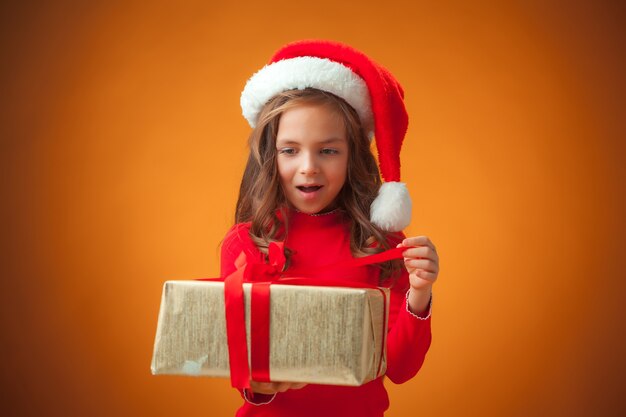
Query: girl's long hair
x,y
262,201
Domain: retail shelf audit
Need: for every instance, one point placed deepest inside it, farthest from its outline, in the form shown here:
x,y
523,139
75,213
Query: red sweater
x,y
408,340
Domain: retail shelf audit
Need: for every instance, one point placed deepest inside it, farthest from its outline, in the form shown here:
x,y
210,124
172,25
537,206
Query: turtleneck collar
x,y
320,220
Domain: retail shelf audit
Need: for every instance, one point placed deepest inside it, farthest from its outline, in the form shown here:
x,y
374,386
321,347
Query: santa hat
x,y
369,88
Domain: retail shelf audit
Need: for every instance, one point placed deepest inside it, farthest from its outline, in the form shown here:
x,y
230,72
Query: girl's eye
x,y
287,151
330,151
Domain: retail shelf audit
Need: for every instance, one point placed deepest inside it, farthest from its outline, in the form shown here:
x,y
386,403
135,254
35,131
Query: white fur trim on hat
x,y
300,73
391,209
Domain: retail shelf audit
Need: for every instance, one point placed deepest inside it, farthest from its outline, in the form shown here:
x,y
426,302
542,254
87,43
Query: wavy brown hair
x,y
262,201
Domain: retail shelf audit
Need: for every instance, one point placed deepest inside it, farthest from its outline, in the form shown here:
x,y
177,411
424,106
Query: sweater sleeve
x,y
409,337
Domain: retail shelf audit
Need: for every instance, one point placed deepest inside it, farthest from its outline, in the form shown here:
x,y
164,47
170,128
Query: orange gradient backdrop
x,y
123,146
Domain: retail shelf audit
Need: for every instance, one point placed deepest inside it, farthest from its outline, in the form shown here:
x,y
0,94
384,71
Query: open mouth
x,y
309,189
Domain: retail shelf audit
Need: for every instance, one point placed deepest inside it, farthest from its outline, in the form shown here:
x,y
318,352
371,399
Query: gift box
x,y
317,334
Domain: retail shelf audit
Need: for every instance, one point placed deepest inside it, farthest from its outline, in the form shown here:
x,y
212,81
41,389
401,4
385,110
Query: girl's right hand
x,y
273,387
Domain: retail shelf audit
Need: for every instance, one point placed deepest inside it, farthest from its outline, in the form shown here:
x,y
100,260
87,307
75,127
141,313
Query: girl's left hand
x,y
421,262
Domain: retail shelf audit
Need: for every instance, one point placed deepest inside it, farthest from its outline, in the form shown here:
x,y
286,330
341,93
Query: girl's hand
x,y
273,387
422,263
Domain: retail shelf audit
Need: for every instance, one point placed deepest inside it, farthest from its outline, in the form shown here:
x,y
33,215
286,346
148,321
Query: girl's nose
x,y
309,165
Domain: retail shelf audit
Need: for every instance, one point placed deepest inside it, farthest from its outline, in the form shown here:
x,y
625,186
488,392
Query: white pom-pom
x,y
391,209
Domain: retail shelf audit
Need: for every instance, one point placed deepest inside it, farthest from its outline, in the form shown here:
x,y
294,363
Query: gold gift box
x,y
318,335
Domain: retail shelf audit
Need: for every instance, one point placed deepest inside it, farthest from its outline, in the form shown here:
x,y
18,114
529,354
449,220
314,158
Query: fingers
x,y
422,252
418,241
424,264
274,387
282,386
423,270
426,275
421,261
263,387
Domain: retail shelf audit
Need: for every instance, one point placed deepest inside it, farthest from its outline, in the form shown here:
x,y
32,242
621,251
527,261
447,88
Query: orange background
x,y
122,148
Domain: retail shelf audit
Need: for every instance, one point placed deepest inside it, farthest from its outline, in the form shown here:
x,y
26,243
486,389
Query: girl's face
x,y
312,157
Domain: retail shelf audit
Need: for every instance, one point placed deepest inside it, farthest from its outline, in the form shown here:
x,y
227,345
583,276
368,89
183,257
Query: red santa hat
x,y
369,88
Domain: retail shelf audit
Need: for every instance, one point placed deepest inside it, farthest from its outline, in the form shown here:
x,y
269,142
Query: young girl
x,y
312,182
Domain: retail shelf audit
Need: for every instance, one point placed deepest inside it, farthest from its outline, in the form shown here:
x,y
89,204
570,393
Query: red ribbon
x,y
235,313
261,276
